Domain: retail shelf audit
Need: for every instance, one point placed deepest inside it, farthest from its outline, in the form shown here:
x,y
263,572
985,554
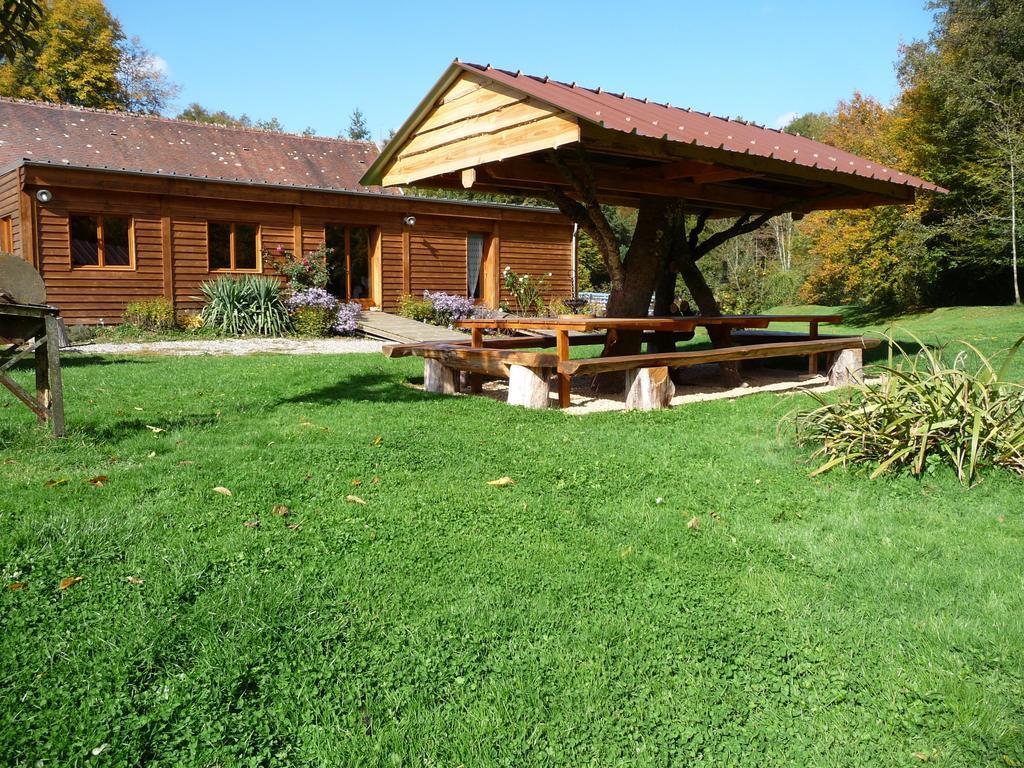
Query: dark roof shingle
x,y
121,141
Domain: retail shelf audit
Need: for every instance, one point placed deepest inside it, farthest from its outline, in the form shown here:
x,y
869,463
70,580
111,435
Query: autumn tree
x,y
19,19
80,55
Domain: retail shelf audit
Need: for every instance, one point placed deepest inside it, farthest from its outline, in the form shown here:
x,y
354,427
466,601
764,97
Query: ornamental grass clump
x,y
924,413
250,305
313,311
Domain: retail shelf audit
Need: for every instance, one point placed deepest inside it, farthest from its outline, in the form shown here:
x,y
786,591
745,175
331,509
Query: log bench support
x,y
847,368
439,378
648,389
528,386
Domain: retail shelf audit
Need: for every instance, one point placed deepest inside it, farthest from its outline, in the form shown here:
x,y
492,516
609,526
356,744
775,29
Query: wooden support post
x,y
167,255
848,368
812,361
476,382
406,262
56,384
649,389
564,379
43,378
439,378
528,387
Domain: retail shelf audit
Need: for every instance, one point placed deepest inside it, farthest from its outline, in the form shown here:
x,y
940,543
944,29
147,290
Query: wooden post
x,y
439,378
167,254
406,262
649,389
56,388
476,382
848,368
564,379
43,377
491,269
812,361
528,387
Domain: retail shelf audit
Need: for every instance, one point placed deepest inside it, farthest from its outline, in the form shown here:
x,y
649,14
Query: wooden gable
x,y
477,121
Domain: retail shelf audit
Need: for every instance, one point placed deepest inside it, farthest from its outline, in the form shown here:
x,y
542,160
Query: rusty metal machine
x,y
29,326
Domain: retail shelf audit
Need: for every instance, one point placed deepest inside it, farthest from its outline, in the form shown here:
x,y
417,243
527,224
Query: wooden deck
x,y
384,325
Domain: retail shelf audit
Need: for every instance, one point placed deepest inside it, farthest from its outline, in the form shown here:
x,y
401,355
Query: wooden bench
x,y
649,386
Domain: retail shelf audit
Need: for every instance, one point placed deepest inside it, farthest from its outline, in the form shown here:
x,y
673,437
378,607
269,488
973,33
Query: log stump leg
x,y
43,379
528,387
439,378
56,382
848,368
649,389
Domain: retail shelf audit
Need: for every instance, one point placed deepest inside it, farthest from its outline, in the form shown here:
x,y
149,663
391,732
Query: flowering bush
x,y
312,311
448,307
528,291
345,320
309,271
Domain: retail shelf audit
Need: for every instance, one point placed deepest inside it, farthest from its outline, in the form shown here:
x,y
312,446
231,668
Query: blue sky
x,y
311,63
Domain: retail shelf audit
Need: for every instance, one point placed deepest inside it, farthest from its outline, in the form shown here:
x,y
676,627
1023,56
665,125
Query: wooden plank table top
x,y
678,323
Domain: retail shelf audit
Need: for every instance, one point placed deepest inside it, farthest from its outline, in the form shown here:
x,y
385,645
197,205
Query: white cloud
x,y
158,64
785,119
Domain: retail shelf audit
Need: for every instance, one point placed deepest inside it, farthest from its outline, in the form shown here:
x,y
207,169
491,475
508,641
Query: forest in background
x,y
958,121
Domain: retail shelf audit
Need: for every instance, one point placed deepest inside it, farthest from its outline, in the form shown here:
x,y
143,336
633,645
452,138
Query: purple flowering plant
x,y
449,307
345,320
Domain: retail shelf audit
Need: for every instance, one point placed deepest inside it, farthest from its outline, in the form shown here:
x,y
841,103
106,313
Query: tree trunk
x,y
708,305
630,296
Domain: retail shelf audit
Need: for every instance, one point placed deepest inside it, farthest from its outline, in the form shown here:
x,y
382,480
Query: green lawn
x,y
568,619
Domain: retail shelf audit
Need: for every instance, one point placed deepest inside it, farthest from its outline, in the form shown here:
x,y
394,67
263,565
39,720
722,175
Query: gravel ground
x,y
332,346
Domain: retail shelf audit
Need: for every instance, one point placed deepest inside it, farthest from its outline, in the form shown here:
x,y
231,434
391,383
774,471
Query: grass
x,y
568,619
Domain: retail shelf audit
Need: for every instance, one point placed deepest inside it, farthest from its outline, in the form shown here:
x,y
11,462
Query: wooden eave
x,y
475,132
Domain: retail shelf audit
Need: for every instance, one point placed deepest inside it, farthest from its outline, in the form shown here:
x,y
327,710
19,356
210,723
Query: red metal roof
x,y
121,141
619,112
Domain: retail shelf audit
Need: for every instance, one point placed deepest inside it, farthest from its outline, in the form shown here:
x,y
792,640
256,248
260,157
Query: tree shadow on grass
x,y
362,387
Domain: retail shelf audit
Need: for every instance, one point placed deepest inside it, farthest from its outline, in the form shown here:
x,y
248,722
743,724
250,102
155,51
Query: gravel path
x,y
334,346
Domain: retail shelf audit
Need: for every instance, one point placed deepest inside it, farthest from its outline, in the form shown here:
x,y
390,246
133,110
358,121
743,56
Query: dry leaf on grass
x,y
155,430
694,524
376,480
134,580
378,440
357,481
185,462
139,409
222,489
293,526
99,481
354,499
151,454
70,581
14,586
922,756
251,523
501,481
280,510
53,483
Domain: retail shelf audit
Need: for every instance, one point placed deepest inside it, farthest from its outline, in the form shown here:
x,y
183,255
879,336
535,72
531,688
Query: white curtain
x,y
474,255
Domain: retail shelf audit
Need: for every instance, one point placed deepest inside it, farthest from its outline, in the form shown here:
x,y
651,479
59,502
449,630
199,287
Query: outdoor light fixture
x,y
410,221
44,195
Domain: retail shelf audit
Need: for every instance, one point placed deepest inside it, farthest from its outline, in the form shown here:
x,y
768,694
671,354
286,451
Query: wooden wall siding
x,y
472,124
191,267
391,267
531,240
536,251
438,259
10,205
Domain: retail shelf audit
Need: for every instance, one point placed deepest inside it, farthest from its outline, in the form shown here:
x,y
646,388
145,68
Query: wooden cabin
x,y
112,207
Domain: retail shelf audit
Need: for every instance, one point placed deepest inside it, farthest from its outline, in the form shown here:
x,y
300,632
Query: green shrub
x,y
416,308
924,413
527,290
312,321
246,305
305,271
155,314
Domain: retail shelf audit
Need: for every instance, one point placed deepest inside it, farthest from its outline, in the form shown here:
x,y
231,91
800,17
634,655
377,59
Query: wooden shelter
x,y
493,130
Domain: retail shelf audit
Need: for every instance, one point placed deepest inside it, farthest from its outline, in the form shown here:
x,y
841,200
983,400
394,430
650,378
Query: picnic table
x,y
566,325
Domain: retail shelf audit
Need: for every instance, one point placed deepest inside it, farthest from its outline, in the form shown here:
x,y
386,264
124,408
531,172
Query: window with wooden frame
x,y
6,235
104,242
476,243
233,247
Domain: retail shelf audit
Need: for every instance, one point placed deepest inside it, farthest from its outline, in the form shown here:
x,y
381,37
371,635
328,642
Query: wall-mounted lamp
x,y
409,221
44,195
